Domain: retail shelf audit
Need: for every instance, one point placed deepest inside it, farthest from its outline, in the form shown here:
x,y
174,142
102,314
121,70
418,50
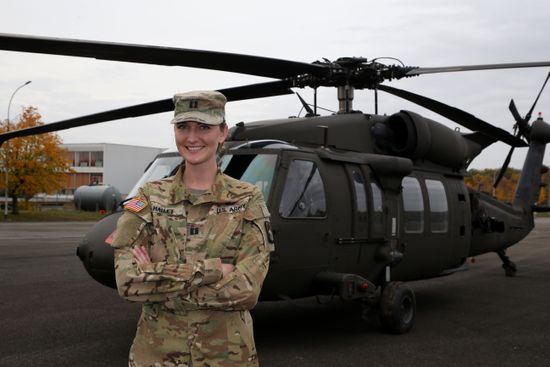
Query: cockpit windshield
x,y
162,166
257,169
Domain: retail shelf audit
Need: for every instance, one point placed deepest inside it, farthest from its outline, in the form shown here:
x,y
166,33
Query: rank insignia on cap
x,y
135,205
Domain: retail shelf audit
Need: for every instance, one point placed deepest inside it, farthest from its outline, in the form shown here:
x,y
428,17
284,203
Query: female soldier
x,y
194,250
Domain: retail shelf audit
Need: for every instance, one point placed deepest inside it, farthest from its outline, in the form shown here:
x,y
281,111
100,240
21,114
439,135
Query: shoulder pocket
x,y
129,228
256,211
258,214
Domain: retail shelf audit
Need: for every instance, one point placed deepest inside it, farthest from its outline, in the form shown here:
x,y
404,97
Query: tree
x,y
482,180
543,197
35,163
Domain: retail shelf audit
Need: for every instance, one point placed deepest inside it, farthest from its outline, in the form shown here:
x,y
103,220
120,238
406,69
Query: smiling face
x,y
198,143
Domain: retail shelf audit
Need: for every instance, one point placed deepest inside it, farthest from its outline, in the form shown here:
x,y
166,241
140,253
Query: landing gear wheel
x,y
398,308
510,269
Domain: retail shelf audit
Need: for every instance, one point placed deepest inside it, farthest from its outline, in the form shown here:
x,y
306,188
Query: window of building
x,y
96,159
439,209
69,156
304,192
413,205
82,159
96,179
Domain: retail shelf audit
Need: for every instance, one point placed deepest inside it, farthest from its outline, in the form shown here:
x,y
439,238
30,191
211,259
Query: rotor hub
x,y
355,72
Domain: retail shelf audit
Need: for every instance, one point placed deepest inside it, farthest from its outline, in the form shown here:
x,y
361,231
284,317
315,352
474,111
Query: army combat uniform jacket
x,y
191,314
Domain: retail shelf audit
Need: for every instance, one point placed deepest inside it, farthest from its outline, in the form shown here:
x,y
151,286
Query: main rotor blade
x,y
238,63
448,69
233,94
454,114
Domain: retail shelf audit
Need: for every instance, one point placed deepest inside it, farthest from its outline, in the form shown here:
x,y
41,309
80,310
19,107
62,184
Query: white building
x,y
108,164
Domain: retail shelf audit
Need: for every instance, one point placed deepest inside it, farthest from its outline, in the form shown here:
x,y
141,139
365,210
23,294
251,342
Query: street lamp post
x,y
7,151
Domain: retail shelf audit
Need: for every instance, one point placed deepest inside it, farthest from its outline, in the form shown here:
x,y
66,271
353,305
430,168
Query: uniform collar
x,y
219,192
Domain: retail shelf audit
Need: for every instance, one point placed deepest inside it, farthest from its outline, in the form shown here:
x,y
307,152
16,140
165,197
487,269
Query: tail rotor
x,y
521,129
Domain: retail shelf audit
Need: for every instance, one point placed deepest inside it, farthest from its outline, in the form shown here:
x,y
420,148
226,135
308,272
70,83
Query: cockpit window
x,y
257,169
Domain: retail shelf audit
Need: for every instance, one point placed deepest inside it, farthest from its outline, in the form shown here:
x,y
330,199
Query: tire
x,y
398,308
510,269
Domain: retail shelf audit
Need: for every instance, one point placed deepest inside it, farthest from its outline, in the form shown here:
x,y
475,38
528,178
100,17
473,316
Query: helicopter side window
x,y
360,194
304,193
413,205
439,210
377,209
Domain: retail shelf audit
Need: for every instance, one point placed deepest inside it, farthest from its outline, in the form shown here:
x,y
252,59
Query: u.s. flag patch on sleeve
x,y
135,205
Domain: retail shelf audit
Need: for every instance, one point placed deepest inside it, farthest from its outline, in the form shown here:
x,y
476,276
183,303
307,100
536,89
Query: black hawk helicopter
x,y
360,203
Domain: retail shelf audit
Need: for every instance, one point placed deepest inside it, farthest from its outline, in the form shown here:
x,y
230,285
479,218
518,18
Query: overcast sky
x,y
425,33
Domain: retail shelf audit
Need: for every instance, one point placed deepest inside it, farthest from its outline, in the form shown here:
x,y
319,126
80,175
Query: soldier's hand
x,y
141,255
227,268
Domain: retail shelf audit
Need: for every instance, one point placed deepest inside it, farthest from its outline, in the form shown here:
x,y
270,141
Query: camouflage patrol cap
x,y
206,107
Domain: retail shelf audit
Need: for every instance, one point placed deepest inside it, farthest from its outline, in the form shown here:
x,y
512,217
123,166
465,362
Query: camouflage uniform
x,y
192,315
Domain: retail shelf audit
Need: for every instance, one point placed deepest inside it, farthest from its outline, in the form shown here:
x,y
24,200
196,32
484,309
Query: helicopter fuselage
x,y
380,204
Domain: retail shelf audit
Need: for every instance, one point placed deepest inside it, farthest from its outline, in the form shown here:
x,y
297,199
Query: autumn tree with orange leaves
x,y
482,180
35,163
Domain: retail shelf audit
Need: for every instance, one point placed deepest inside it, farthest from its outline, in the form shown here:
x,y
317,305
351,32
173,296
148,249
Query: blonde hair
x,y
220,149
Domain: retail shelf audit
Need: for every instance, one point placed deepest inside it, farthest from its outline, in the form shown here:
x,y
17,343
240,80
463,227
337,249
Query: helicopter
x,y
360,203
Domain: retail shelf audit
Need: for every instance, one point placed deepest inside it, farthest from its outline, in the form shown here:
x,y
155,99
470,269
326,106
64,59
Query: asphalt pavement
x,y
53,314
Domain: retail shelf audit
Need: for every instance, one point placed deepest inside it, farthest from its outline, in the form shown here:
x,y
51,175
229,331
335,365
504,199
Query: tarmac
x,y
53,314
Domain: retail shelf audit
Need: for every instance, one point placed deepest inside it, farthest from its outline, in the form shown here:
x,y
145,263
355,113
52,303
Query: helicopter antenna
x,y
377,68
375,100
305,106
315,101
325,109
